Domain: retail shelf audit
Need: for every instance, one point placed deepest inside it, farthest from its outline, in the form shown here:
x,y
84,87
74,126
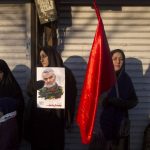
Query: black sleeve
x,y
124,104
20,111
30,88
128,103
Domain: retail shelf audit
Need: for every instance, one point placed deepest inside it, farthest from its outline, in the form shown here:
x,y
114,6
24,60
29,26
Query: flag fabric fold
x,y
99,77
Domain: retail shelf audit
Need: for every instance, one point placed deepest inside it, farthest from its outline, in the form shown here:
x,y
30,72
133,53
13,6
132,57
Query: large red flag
x,y
100,77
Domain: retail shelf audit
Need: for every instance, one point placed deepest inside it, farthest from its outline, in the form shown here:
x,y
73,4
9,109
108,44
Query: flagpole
x,y
97,10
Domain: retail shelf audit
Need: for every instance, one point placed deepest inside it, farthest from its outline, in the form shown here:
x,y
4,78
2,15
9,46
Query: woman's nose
x,y
41,59
118,61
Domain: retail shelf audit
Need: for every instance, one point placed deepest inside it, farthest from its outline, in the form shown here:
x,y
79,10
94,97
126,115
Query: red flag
x,y
100,77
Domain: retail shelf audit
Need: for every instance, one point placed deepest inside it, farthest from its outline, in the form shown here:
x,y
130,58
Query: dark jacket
x,y
11,99
115,108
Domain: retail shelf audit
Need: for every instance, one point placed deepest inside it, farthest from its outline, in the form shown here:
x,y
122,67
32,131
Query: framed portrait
x,y
50,84
46,10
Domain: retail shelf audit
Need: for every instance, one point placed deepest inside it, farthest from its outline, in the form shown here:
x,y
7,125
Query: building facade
x,y
127,26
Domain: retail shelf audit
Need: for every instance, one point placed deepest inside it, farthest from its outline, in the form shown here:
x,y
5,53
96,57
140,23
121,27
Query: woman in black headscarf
x,y
115,106
11,109
47,125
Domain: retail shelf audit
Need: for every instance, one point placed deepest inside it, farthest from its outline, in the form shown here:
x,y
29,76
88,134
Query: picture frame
x,y
50,87
46,10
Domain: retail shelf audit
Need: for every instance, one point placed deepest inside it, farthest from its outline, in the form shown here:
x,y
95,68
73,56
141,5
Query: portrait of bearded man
x,y
51,89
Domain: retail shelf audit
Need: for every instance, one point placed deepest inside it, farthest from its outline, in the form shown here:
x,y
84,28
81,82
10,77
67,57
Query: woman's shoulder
x,y
127,80
127,76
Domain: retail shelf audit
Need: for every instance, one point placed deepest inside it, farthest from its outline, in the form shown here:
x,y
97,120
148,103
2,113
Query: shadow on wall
x,y
78,66
22,75
135,70
139,114
146,138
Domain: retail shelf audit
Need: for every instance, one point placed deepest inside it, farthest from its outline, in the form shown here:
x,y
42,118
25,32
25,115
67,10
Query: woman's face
x,y
44,59
1,75
117,59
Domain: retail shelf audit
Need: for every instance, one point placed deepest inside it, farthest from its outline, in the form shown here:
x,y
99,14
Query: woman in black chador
x,y
47,125
11,109
109,133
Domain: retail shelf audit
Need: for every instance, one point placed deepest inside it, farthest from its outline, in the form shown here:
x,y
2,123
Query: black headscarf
x,y
54,57
8,85
119,51
10,88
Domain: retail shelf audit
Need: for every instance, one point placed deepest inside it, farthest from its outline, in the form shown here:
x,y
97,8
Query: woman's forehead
x,y
43,52
117,54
